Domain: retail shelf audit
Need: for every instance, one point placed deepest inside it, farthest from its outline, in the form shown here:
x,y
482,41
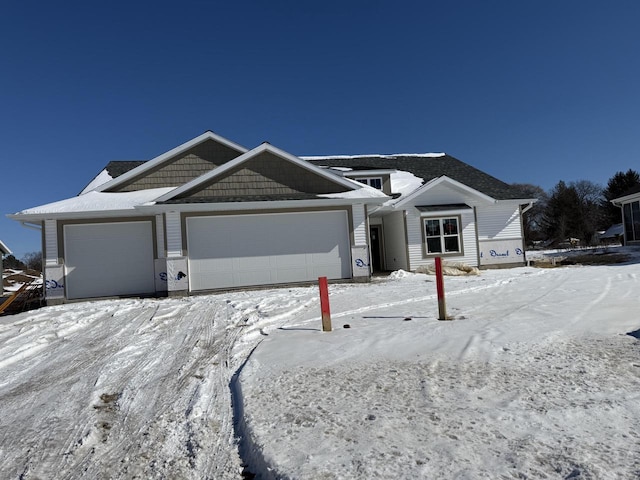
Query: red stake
x,y
324,304
442,308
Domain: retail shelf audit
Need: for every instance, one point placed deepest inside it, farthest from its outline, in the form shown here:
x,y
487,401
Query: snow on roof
x,y
101,178
405,182
99,201
374,155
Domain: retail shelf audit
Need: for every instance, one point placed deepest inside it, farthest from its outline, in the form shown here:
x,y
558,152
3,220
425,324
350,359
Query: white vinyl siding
x,y
499,221
174,234
109,259
415,240
359,225
242,250
50,242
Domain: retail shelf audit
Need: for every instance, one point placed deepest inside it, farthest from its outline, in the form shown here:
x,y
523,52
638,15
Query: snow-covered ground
x,y
537,376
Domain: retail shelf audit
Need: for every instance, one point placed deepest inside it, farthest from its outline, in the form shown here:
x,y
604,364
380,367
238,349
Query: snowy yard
x,y
537,376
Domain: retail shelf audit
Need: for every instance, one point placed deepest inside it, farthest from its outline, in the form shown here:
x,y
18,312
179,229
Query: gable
x,y
264,175
181,168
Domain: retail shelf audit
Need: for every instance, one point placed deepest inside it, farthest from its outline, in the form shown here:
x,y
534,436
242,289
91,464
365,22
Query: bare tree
x,y
33,261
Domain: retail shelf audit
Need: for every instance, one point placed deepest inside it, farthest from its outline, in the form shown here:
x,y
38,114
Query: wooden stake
x,y
442,307
324,304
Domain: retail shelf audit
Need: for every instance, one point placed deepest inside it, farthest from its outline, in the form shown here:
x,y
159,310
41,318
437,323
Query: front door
x,y
375,235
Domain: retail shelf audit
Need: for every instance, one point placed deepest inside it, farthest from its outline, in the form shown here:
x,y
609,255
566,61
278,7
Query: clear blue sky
x,y
530,92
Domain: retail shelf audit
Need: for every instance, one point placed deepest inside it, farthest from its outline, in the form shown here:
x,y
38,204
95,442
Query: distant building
x,y
630,205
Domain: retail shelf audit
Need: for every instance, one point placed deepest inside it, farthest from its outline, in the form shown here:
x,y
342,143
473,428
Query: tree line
x,y
30,261
575,210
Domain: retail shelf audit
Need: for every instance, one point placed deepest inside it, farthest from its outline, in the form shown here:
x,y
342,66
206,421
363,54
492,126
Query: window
x,y
375,182
442,235
631,212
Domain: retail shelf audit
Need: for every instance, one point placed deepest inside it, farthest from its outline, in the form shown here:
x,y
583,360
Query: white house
x,y
630,205
212,214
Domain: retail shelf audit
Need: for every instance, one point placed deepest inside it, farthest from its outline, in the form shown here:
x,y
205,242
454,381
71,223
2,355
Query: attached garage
x,y
108,259
242,250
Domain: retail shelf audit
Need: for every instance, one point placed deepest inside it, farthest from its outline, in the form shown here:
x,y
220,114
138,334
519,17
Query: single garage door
x,y
108,259
241,250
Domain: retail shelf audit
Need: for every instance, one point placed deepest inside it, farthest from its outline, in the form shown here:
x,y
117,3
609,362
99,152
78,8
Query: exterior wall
x,y
415,239
441,195
395,245
267,174
500,234
184,168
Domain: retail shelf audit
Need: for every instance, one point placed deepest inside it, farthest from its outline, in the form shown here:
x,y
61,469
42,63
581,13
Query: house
x,y
211,214
4,250
630,206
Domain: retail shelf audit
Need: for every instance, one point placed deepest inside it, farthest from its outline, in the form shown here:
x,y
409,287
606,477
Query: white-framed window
x,y
375,182
442,235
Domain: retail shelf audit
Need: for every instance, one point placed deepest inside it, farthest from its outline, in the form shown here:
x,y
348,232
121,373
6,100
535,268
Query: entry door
x,y
375,235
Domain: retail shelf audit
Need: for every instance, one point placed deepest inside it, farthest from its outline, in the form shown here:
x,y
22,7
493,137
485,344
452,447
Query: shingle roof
x,y
118,167
428,168
425,167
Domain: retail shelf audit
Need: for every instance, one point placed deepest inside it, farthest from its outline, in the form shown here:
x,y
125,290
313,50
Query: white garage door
x,y
241,250
108,259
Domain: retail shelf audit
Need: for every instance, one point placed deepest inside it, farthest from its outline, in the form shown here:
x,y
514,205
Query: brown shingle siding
x,y
191,164
266,175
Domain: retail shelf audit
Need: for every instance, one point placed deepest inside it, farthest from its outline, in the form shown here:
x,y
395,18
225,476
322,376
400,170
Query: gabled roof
x,y
127,171
223,171
427,167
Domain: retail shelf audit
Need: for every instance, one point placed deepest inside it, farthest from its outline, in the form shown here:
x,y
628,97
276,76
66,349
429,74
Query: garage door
x,y
108,259
242,250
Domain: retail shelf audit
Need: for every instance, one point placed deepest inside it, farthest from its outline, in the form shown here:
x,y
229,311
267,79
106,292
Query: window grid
x,y
442,235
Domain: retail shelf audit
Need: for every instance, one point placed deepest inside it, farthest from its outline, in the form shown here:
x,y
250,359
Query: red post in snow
x,y
324,304
442,307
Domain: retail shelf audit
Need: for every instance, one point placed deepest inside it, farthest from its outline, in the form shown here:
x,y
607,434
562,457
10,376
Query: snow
x,y
99,201
536,376
102,178
374,155
405,182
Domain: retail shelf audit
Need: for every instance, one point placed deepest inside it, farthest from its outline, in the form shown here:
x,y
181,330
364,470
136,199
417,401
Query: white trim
x,y
265,147
368,173
618,202
269,205
208,135
437,181
4,250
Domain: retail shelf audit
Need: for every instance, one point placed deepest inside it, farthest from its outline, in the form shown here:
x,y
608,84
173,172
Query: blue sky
x,y
530,92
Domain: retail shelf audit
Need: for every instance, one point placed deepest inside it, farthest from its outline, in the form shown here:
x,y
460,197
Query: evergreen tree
x,y
13,263
564,217
618,186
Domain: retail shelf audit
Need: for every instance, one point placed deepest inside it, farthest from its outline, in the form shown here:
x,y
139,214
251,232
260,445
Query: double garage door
x,y
108,259
117,258
242,250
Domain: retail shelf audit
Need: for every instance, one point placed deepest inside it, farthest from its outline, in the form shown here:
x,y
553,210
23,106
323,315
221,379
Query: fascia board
x,y
270,205
38,217
4,249
368,173
246,157
167,155
626,199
